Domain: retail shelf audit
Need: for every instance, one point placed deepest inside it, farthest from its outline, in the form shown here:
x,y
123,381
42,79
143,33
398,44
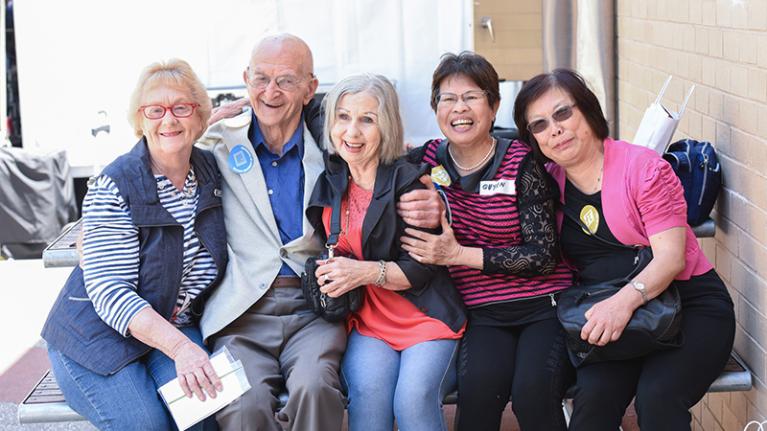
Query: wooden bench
x,y
45,403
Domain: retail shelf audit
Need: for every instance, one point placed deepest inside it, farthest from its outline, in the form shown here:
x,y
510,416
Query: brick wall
x,y
721,46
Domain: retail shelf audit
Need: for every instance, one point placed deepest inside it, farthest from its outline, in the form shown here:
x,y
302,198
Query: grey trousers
x,y
282,344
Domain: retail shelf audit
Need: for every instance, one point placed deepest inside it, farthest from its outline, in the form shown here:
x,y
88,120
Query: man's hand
x,y
421,208
228,110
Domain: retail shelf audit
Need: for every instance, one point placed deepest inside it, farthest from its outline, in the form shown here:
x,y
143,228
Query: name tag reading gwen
x,y
504,187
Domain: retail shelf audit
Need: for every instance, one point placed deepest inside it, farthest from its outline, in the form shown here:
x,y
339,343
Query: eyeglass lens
x,y
284,83
180,110
468,97
559,115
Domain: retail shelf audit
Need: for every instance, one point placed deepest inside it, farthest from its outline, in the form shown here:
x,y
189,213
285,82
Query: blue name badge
x,y
240,160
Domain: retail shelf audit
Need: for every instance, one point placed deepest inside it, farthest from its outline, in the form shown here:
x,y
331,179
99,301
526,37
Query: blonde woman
x,y
154,247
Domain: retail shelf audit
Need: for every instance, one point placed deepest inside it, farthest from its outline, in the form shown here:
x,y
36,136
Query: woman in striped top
x,y
501,249
153,248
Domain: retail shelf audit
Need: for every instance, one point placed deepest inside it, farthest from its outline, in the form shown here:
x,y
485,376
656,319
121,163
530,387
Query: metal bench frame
x,y
46,402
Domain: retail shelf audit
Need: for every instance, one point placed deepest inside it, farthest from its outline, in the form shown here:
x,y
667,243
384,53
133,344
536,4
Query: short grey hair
x,y
389,119
175,73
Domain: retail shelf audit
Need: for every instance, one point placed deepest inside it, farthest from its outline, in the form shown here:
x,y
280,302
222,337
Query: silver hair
x,y
389,119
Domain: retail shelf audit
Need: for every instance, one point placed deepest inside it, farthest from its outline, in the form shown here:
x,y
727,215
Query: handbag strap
x,y
335,225
594,234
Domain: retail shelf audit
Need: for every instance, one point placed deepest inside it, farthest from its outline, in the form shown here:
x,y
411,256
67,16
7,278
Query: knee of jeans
x,y
151,419
415,399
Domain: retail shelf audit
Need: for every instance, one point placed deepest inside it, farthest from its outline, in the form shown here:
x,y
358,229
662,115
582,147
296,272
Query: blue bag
x,y
697,167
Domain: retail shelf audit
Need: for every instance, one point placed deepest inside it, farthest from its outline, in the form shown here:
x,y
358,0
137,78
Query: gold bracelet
x,y
381,274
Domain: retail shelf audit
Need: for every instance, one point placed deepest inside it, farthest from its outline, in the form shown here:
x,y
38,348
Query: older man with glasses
x,y
270,161
270,157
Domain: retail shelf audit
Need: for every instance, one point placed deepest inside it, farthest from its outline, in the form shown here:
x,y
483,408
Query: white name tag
x,y
504,187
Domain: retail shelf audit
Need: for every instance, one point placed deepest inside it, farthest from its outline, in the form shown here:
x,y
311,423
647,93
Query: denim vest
x,y
73,326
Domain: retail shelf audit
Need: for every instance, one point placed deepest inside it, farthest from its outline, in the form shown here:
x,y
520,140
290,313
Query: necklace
x,y
481,162
599,180
348,213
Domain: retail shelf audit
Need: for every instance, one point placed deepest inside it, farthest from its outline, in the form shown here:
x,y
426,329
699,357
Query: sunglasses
x,y
561,114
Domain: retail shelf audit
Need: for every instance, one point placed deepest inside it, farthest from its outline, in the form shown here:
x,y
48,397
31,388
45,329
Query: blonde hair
x,y
389,120
175,73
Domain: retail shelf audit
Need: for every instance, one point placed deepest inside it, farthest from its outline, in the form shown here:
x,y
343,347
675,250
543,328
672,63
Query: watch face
x,y
638,285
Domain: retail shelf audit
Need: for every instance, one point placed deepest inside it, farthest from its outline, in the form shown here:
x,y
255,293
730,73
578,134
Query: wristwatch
x,y
640,287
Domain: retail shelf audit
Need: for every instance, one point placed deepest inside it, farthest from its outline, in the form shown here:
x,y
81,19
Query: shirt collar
x,y
295,141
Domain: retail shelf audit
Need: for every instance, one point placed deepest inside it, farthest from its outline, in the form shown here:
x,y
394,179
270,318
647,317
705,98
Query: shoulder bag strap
x,y
335,226
594,234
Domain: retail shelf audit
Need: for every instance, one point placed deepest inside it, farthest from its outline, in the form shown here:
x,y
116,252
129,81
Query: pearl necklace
x,y
481,162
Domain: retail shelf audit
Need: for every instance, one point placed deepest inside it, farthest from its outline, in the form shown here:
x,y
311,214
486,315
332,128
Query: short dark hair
x,y
572,83
471,65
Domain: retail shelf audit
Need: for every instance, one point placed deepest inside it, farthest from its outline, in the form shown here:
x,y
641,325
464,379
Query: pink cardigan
x,y
641,196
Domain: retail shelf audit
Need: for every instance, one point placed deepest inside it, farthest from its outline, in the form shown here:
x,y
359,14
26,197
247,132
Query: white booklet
x,y
188,411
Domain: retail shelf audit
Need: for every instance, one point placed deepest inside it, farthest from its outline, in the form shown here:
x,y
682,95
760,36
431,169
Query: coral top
x,y
384,314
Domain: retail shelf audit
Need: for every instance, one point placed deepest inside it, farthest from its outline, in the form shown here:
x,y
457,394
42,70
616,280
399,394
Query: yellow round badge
x,y
590,218
440,176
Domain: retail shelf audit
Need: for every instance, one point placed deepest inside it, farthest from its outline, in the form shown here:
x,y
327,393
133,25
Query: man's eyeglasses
x,y
259,81
179,110
561,114
472,97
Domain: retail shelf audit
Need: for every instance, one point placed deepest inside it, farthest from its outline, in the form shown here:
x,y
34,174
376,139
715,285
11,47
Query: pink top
x,y
384,314
641,196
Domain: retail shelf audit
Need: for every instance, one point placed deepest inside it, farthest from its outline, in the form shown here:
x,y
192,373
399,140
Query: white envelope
x,y
188,411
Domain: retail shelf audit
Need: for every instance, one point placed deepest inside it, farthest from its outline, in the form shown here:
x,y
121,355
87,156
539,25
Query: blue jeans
x,y
126,400
385,383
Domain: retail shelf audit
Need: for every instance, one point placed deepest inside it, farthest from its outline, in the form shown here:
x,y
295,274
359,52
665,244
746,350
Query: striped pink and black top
x,y
492,221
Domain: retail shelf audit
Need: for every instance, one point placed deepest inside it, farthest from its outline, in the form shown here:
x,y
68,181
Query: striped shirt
x,y
489,222
111,251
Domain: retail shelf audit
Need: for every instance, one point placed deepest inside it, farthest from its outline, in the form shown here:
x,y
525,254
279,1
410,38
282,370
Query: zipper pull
x,y
553,301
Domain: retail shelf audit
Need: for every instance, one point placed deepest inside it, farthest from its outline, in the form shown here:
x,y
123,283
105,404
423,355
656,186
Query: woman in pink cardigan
x,y
626,194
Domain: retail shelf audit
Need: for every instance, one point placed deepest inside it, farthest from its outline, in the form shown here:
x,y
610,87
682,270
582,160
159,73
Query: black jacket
x,y
432,289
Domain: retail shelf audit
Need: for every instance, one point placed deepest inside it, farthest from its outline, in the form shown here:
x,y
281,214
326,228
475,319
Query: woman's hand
x,y
339,275
606,320
195,371
428,248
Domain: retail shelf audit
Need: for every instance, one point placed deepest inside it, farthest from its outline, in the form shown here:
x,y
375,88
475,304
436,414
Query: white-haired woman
x,y
402,341
154,247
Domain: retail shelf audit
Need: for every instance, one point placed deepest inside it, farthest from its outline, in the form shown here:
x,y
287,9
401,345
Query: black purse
x,y
327,307
653,326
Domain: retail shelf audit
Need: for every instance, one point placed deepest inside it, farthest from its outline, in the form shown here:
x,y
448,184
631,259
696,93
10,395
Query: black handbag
x,y
327,307
653,326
